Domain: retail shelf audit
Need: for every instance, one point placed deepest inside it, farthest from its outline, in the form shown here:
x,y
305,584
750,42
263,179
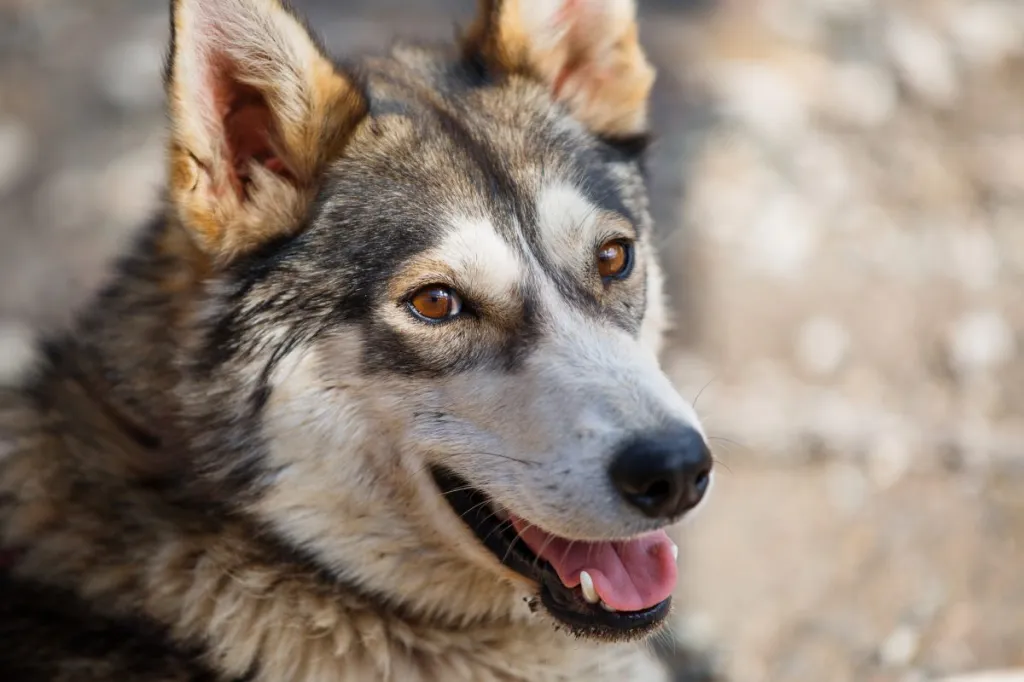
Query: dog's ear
x,y
256,112
586,51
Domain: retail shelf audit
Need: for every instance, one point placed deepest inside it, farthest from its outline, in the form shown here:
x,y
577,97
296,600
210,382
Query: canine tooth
x,y
607,608
675,551
587,585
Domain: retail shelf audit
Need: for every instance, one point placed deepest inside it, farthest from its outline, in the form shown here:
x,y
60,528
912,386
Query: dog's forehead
x,y
439,151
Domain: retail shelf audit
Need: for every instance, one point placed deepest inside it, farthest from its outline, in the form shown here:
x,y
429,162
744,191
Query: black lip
x,y
565,604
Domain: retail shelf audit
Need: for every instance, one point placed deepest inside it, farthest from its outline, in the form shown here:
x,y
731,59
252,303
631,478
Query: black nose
x,y
663,474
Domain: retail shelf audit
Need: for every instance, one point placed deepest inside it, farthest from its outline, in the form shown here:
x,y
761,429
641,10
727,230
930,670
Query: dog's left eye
x,y
435,303
615,259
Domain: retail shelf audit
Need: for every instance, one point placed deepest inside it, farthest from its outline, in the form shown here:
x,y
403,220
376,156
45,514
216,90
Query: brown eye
x,y
435,303
615,259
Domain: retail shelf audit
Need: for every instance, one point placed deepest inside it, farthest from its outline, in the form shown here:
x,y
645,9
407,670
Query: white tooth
x,y
608,608
587,585
675,551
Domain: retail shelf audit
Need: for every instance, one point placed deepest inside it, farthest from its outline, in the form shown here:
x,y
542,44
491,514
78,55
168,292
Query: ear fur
x,y
586,51
256,112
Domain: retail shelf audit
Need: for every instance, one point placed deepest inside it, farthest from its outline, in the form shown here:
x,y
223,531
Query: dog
x,y
375,395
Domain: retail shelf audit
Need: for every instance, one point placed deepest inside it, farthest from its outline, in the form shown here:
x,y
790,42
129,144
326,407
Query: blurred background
x,y
840,186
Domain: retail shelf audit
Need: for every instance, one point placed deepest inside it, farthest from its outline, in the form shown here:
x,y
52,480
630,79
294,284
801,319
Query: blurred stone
x,y
792,20
822,170
764,97
822,345
132,74
731,180
888,459
981,341
999,163
131,184
17,350
847,487
17,149
975,258
900,646
989,676
697,630
986,32
923,60
62,190
847,10
861,94
782,238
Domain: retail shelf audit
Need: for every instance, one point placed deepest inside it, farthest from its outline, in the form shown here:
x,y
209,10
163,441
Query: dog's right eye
x,y
435,303
615,259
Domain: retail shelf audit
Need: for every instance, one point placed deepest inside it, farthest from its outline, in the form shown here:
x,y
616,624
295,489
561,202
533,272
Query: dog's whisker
x,y
474,453
457,490
729,441
472,509
540,552
701,391
494,515
567,550
500,528
718,460
528,462
518,538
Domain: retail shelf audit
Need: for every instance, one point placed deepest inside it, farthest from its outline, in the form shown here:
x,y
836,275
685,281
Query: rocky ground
x,y
842,187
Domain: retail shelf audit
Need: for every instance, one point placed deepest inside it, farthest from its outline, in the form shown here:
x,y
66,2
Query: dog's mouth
x,y
612,590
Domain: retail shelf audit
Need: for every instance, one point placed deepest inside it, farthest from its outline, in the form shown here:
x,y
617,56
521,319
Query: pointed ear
x,y
586,51
256,112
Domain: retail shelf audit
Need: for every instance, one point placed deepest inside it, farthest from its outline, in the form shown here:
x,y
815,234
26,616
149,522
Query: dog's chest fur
x,y
50,636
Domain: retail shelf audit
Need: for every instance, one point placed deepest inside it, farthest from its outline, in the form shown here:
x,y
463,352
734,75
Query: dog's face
x,y
433,308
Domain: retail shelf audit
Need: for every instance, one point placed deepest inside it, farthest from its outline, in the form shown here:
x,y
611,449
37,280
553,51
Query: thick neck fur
x,y
92,499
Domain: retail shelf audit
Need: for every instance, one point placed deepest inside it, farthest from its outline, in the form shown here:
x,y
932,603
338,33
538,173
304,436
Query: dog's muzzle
x,y
612,589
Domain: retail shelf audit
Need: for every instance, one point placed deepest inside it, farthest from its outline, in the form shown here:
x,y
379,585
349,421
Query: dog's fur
x,y
221,471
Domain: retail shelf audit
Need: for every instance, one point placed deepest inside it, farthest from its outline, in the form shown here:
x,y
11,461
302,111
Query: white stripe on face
x,y
480,259
569,225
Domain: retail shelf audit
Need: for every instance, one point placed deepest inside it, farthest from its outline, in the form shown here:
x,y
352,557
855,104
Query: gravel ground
x,y
841,184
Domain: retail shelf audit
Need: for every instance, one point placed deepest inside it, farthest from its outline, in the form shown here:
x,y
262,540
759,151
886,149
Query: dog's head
x,y
428,334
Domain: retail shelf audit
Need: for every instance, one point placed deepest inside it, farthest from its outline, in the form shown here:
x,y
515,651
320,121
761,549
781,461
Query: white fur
x,y
572,227
480,259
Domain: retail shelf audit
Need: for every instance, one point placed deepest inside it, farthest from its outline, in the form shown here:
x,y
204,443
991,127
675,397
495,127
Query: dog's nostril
x,y
701,482
651,496
663,474
658,489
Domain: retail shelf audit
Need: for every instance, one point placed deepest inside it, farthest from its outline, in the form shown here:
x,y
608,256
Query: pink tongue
x,y
629,575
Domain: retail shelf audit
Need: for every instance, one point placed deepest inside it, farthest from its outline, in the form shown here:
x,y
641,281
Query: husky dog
x,y
375,396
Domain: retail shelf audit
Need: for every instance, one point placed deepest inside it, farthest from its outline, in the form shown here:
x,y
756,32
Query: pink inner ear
x,y
250,131
569,16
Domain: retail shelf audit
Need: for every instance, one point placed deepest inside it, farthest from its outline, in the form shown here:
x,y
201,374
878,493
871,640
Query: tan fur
x,y
587,51
259,45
